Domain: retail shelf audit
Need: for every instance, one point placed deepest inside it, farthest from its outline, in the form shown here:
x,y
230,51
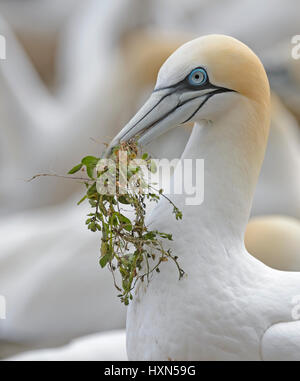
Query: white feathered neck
x,y
232,148
228,298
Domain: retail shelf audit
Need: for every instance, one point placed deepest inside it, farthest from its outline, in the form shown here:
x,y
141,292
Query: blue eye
x,y
197,77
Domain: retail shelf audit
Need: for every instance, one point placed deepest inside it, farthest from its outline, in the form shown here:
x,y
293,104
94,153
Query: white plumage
x,y
107,346
229,305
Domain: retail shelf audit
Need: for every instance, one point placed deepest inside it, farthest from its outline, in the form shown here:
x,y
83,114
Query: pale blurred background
x,y
75,72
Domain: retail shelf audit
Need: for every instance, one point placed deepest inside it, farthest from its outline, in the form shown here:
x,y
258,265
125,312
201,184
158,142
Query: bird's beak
x,y
166,108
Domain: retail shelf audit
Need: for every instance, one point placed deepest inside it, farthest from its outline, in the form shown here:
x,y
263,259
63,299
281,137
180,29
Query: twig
x,y
55,175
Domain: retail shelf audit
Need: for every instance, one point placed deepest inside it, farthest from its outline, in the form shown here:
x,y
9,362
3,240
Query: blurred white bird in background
x,y
275,240
54,287
107,346
283,69
278,188
43,125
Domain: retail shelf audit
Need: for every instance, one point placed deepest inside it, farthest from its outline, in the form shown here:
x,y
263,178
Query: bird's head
x,y
200,81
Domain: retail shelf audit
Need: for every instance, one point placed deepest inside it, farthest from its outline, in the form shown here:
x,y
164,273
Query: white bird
x,y
56,291
230,306
30,310
283,68
278,188
275,240
38,122
107,346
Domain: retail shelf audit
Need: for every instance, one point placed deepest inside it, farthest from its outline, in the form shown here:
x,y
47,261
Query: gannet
x,y
275,240
283,69
26,320
278,187
56,291
106,346
38,122
230,306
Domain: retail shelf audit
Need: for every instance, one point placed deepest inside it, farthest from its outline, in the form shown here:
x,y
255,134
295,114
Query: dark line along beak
x,y
166,108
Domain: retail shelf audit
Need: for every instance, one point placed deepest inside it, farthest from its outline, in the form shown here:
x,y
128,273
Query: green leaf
x,y
92,190
104,260
88,160
123,199
75,169
125,284
90,163
93,203
104,249
128,227
90,171
80,201
113,219
150,235
145,155
124,220
92,226
167,236
105,233
103,210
